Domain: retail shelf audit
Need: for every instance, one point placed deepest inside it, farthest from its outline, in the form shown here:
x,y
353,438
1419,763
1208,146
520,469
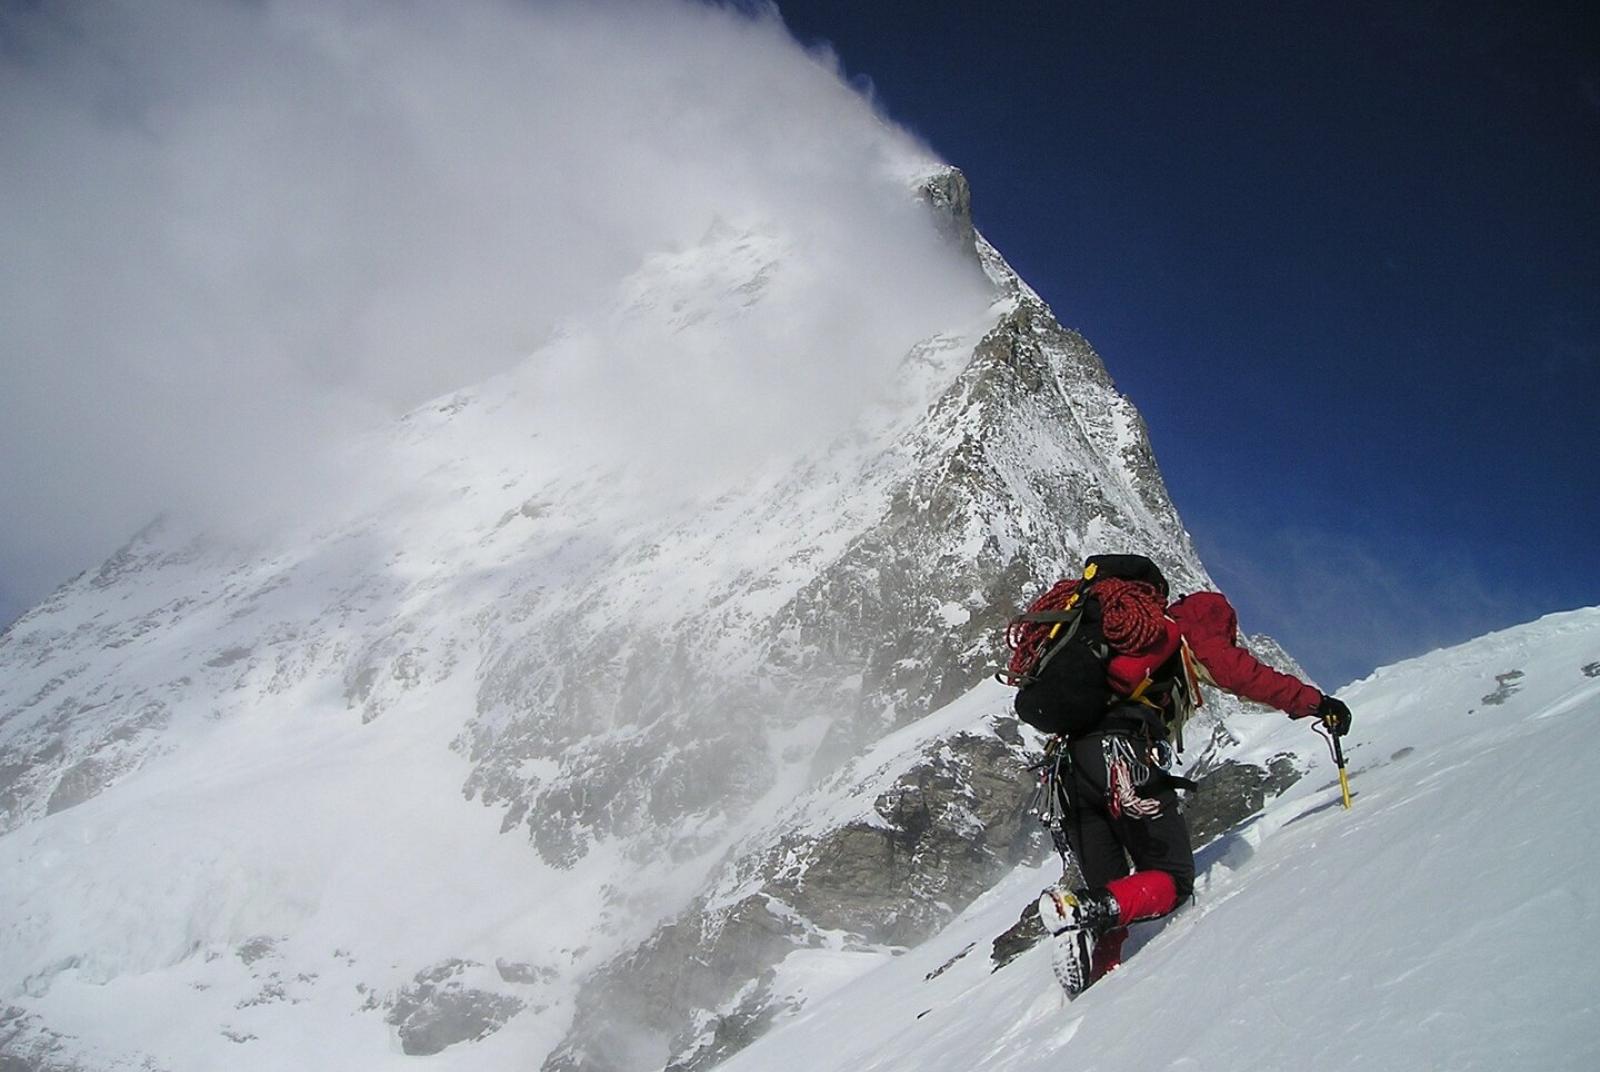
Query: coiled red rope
x,y
1027,639
1131,613
1131,619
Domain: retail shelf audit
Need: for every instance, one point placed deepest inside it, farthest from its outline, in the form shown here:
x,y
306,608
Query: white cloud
x,y
236,231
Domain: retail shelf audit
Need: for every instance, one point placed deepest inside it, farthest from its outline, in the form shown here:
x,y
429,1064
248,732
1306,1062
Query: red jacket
x,y
1207,620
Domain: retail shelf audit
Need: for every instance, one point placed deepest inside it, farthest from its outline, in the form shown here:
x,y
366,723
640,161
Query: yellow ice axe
x,y
1338,759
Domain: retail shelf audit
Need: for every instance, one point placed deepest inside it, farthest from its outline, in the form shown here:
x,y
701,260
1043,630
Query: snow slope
x,y
1447,921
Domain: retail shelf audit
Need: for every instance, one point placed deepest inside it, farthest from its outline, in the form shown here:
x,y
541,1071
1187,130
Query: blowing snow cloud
x,y
236,232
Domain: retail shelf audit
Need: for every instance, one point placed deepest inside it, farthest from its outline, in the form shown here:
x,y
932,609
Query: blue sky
x,y
1345,259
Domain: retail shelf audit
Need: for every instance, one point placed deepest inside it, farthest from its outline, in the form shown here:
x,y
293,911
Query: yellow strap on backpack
x,y
1139,696
1072,600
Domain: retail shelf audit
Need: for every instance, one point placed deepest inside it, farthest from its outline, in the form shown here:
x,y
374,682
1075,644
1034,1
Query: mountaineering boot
x,y
1077,918
1091,910
1072,959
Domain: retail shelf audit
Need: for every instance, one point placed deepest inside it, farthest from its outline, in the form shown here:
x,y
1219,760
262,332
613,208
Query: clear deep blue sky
x,y
1345,258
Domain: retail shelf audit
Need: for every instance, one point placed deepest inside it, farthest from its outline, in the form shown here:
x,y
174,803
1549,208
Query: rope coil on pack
x,y
1028,637
1131,613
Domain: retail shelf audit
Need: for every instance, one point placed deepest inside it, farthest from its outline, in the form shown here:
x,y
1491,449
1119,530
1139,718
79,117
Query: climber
x,y
1122,805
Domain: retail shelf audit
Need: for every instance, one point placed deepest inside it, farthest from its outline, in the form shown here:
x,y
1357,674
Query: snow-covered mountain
x,y
478,764
1446,921
529,753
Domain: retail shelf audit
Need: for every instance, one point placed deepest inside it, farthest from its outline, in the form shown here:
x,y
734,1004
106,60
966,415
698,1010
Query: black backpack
x,y
1059,653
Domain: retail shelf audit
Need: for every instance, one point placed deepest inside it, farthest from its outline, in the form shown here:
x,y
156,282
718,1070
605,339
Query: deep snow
x,y
1447,921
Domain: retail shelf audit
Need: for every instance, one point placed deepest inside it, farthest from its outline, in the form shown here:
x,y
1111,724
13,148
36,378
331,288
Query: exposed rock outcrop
x,y
938,834
439,1009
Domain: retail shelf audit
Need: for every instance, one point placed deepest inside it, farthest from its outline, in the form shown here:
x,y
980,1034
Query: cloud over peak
x,y
237,231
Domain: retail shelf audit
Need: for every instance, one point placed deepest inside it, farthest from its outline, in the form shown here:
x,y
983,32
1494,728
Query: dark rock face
x,y
1232,793
1027,461
27,1045
258,948
438,1010
948,194
1023,935
940,834
637,1012
944,832
1506,686
59,763
725,1035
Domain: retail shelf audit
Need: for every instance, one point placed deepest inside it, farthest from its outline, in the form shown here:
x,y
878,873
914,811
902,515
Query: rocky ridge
x,y
1033,462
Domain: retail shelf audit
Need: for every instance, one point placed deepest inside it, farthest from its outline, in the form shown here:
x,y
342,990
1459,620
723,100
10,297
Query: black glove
x,y
1334,715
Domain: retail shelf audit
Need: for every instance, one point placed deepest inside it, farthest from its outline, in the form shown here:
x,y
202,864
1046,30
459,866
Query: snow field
x,y
1446,921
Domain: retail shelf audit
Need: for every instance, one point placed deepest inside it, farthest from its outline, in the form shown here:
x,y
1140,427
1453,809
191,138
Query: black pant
x,y
1104,843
